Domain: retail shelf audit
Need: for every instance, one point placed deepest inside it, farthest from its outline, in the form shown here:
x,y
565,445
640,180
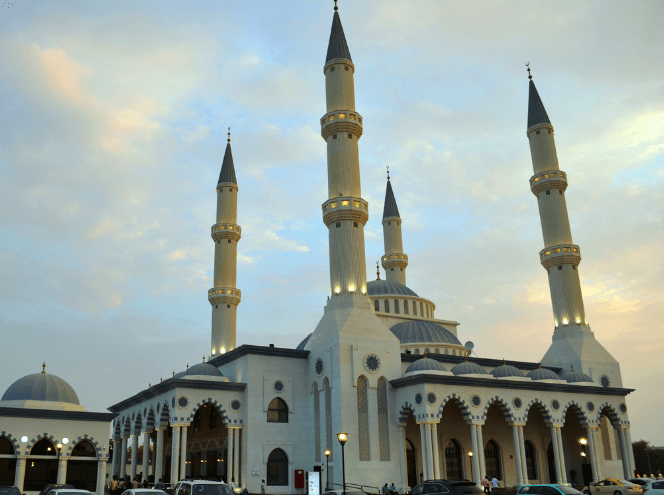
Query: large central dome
x,y
42,387
423,332
385,287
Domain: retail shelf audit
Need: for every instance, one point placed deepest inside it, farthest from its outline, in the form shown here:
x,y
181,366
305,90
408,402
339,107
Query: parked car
x,y
611,486
201,487
447,487
143,491
550,489
48,488
9,490
653,487
69,491
348,492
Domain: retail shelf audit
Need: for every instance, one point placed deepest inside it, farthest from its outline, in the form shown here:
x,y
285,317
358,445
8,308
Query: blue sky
x,y
113,127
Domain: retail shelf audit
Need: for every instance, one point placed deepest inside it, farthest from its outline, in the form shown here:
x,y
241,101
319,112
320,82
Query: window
x,y
346,67
342,115
492,459
421,309
197,420
405,307
560,267
355,224
387,306
531,465
84,449
277,466
363,418
277,411
547,193
338,224
376,306
332,70
334,136
317,448
214,418
414,308
453,461
396,306
560,191
383,420
536,132
350,136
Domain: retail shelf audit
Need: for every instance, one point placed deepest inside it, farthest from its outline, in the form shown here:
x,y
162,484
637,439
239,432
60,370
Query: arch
x,y
328,417
9,443
137,425
7,464
363,418
411,463
608,410
317,447
543,409
454,460
383,419
492,459
164,415
503,405
574,405
531,460
220,409
406,408
116,429
84,438
32,442
150,419
44,446
84,448
277,411
463,407
277,468
126,427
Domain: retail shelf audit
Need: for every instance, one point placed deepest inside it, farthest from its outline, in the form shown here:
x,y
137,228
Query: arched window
x,y
387,305
492,460
43,447
316,422
363,418
214,418
328,420
383,420
6,447
453,461
376,306
396,306
422,310
7,465
417,351
277,411
277,468
84,449
405,307
531,464
42,471
414,308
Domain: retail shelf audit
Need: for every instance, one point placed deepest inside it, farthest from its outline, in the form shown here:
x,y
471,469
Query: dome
x,y
180,374
385,287
506,371
425,364
423,332
576,377
41,386
468,368
543,374
203,369
301,345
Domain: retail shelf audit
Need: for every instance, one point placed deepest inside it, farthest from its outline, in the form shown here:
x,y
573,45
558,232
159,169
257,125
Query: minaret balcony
x,y
226,231
339,122
394,260
224,295
345,208
551,179
562,254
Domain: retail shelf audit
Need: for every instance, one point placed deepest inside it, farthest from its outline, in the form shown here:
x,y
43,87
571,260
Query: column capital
x,y
148,431
516,423
21,457
179,424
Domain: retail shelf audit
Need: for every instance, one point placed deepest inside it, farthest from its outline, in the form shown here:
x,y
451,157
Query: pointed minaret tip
x,y
227,168
390,209
536,111
337,47
377,271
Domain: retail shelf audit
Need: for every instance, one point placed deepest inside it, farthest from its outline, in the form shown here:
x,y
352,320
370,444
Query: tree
x,y
648,460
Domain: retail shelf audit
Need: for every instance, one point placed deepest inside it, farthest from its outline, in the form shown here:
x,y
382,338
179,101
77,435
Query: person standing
x,y
231,485
495,484
485,484
263,487
159,485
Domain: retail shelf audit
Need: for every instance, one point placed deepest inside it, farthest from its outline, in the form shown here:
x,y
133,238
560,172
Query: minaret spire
x,y
225,296
394,260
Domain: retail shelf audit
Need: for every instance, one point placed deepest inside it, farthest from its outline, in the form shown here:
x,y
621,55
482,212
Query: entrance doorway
x,y
411,465
551,462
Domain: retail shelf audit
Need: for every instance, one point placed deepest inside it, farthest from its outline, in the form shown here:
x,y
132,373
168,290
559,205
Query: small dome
x,y
425,364
543,374
41,386
423,332
468,368
301,345
180,374
203,369
505,371
385,287
576,377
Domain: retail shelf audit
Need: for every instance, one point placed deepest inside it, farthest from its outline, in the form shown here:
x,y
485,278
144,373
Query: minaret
x,y
394,260
573,342
224,296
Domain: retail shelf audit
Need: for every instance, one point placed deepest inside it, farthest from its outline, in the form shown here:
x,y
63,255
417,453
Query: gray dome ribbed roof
x,y
536,112
180,374
468,368
301,345
390,209
425,364
337,47
41,386
505,371
384,287
423,332
203,369
227,173
543,374
576,377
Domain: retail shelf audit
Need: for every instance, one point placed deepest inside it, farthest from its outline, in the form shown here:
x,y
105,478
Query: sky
x,y
113,122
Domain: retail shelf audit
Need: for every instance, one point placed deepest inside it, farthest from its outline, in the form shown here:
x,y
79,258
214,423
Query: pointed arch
x,y
85,438
8,440
164,415
542,408
277,411
502,404
84,448
277,468
126,427
531,459
33,441
137,425
406,408
463,407
220,409
454,459
44,446
609,411
576,407
150,419
492,459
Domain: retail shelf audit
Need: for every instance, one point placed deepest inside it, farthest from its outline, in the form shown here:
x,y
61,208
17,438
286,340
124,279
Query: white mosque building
x,y
379,366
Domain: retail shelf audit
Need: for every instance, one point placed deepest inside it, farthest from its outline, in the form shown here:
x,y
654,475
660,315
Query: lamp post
x,y
585,470
58,447
470,457
342,437
327,474
583,442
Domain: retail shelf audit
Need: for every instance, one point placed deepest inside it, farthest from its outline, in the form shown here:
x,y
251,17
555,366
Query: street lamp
x,y
470,457
583,442
342,437
327,476
59,448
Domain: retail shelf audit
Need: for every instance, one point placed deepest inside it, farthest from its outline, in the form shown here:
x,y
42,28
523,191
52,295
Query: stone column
x,y
146,454
517,455
19,475
425,474
427,433
480,447
592,451
114,464
561,454
101,475
183,453
154,452
402,458
159,457
556,454
524,464
623,451
175,455
475,460
123,458
599,455
236,462
229,455
62,470
630,452
134,455
436,450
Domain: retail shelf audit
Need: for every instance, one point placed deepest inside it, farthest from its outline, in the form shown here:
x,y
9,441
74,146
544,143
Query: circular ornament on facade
x,y
604,381
623,408
372,363
591,406
278,386
183,402
319,367
476,401
431,398
517,402
555,405
236,405
418,399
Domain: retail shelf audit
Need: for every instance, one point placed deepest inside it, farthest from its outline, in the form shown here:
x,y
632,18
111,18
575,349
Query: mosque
x,y
379,366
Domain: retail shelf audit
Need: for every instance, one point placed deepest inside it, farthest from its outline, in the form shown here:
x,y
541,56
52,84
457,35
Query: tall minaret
x,y
573,342
394,260
225,296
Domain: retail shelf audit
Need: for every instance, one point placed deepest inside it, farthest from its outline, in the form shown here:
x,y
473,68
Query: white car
x,y
201,487
611,486
143,491
653,487
69,491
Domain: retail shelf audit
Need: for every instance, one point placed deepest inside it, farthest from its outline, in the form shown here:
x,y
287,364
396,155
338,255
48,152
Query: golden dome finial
x,y
335,6
377,271
504,363
174,373
528,65
425,353
187,365
540,365
572,367
44,367
388,172
229,134
203,358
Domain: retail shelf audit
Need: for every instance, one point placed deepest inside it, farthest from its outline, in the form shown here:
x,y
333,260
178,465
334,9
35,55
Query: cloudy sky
x,y
112,130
